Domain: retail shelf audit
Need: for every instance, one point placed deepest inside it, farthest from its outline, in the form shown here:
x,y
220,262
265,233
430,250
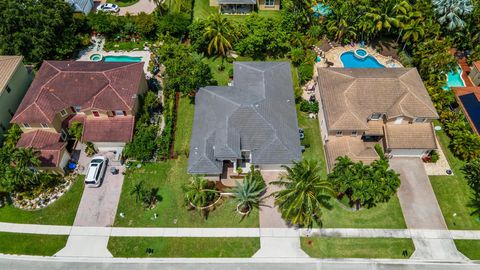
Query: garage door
x,y
407,152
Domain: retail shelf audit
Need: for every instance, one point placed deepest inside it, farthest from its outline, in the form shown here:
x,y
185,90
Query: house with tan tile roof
x,y
102,96
363,107
14,82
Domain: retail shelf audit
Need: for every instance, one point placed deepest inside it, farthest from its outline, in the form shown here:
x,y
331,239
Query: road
x,y
43,263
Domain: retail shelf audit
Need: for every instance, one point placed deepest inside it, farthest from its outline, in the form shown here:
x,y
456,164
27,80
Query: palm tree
x,y
466,145
387,14
248,193
304,193
198,192
413,31
450,12
220,33
138,191
13,135
26,158
342,29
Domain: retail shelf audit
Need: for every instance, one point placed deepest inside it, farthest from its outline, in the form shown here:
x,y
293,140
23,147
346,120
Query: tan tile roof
x,y
410,136
91,85
8,65
113,129
353,147
375,128
350,96
47,143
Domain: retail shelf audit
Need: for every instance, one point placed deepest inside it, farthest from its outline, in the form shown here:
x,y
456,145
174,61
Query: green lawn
x,y
469,248
453,193
61,212
123,45
31,244
391,248
193,247
183,132
123,3
313,140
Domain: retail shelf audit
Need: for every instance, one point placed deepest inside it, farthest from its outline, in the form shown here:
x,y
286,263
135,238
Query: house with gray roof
x,y
361,107
251,122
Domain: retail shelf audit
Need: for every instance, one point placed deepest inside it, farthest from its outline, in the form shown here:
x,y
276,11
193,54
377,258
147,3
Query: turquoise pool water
x,y
361,52
321,10
454,79
350,61
122,58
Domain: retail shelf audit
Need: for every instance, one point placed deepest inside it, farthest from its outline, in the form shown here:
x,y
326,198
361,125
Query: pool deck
x,y
462,62
333,56
145,55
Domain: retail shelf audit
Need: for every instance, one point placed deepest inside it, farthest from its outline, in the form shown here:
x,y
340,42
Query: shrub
x,y
305,72
434,156
173,24
76,130
297,55
309,106
90,149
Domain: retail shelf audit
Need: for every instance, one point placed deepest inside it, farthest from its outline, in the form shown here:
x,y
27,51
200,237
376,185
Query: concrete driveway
x,y
98,206
147,6
270,216
419,204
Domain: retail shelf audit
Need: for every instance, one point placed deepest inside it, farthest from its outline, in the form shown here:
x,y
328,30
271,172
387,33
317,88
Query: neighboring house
x,y
14,82
84,6
103,96
252,122
363,107
469,100
475,73
244,6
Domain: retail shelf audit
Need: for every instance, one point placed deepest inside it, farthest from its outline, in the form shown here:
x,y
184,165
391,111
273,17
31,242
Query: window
x,y
354,133
77,108
26,125
63,135
339,133
119,113
269,3
8,89
96,114
44,125
63,113
420,120
376,116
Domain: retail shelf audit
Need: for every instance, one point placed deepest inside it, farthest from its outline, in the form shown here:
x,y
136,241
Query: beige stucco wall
x,y
18,83
261,5
213,3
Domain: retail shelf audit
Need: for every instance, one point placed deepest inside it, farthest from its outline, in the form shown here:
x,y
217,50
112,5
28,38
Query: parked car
x,y
108,8
96,171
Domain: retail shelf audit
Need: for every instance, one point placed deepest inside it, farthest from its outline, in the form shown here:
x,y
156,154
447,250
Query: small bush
x,y
434,156
305,72
309,106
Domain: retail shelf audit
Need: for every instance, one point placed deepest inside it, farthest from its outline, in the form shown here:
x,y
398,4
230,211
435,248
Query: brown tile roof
x,y
477,65
113,129
91,85
375,128
353,147
410,136
350,96
47,143
8,66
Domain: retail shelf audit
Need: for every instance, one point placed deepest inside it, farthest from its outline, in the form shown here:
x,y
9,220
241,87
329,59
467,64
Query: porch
x,y
237,7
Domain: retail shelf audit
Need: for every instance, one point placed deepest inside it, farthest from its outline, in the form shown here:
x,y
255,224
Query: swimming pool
x,y
321,10
349,60
454,79
121,58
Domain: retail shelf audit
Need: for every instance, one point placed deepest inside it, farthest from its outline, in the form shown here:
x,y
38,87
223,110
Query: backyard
x,y
202,9
31,244
61,212
193,247
391,248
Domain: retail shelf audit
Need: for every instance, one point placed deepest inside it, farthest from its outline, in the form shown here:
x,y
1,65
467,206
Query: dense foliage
x,y
364,185
472,175
248,193
39,30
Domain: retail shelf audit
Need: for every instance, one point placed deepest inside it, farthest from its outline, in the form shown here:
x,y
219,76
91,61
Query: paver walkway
x,y
147,6
421,210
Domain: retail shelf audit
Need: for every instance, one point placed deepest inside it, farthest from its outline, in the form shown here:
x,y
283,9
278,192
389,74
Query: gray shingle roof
x,y
257,114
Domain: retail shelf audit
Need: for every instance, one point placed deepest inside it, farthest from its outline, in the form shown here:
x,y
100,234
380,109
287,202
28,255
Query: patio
x,y
332,56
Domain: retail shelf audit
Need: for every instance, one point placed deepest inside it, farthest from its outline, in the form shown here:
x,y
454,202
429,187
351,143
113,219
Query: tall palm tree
x,y
303,193
25,158
387,14
342,29
451,12
413,31
248,193
198,192
220,33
